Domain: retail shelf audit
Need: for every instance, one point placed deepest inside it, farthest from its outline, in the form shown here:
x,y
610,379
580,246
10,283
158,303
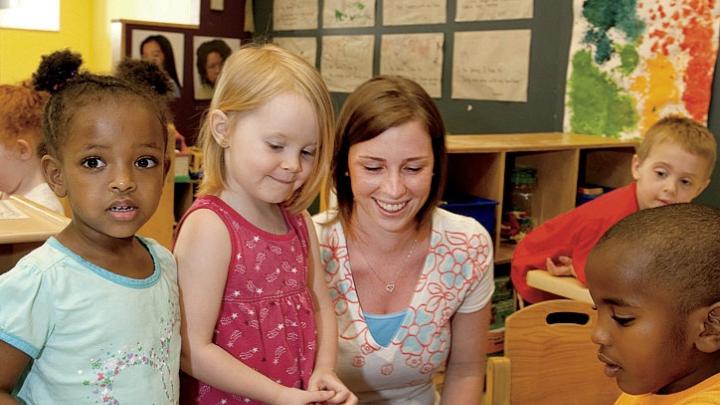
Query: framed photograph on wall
x,y
164,48
209,54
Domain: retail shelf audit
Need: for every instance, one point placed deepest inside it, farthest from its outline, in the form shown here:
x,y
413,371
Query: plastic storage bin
x,y
482,209
594,192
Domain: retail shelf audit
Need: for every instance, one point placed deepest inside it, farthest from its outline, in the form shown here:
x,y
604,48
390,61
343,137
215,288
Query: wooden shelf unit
x,y
480,165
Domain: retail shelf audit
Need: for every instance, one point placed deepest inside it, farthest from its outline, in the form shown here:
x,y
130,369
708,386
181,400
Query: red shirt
x,y
572,234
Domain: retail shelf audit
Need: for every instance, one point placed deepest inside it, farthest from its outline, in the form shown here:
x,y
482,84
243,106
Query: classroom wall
x,y
162,11
20,50
551,29
85,28
228,23
156,11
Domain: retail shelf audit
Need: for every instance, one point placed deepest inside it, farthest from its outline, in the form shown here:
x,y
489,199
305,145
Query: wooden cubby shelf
x,y
479,165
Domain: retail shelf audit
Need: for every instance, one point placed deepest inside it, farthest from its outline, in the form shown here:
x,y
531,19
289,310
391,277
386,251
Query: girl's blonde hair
x,y
251,77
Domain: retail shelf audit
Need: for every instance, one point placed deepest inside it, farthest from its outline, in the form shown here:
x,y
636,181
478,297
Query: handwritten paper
x,y
409,12
482,10
348,13
416,56
9,211
346,61
491,65
305,47
295,15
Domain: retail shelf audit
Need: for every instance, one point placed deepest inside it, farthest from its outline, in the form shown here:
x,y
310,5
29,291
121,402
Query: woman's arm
x,y
13,363
324,375
203,251
465,373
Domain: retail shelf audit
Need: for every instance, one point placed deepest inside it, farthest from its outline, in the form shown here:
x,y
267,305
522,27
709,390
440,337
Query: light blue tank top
x,y
384,327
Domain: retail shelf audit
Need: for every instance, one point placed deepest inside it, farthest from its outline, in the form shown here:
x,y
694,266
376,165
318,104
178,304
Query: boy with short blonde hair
x,y
654,280
672,165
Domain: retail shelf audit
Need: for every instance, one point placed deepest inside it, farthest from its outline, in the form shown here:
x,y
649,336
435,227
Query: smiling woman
x,y
411,283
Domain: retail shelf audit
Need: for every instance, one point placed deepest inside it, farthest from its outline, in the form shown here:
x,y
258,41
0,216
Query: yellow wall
x,y
85,28
101,41
20,50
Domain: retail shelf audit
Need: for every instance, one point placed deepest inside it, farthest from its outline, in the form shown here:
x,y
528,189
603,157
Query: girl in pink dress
x,y
258,326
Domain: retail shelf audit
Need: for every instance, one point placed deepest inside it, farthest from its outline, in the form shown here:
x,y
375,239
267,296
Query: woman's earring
x,y
223,144
347,174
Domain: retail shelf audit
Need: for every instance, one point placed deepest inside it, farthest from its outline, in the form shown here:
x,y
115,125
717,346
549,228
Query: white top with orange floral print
x,y
457,277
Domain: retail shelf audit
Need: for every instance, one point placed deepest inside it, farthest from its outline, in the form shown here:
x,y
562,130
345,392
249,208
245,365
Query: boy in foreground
x,y
654,280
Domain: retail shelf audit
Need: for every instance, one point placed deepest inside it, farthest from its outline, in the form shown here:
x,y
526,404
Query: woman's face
x,y
391,176
213,66
152,52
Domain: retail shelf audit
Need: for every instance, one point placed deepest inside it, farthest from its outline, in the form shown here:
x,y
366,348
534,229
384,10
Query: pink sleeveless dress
x,y
266,319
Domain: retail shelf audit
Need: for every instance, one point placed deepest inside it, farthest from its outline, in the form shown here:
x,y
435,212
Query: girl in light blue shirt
x,y
96,307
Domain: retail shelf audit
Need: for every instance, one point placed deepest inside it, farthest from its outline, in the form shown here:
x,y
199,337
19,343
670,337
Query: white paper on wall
x,y
348,13
305,47
483,10
491,65
416,56
346,61
410,12
295,15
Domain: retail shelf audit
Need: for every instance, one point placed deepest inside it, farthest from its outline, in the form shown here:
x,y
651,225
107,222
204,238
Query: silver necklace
x,y
390,285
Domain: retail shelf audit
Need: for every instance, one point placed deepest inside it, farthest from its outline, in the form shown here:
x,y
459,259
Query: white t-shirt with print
x,y
457,277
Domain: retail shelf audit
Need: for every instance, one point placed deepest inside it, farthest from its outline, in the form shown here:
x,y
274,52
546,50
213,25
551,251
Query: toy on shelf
x,y
517,220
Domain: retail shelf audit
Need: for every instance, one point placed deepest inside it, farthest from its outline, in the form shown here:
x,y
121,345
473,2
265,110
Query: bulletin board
x,y
547,67
551,31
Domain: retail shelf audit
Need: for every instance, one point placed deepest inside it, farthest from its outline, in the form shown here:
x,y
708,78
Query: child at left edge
x,y
96,307
258,323
654,280
20,141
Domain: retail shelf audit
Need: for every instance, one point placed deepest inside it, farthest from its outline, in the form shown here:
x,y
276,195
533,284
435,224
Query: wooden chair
x,y
549,359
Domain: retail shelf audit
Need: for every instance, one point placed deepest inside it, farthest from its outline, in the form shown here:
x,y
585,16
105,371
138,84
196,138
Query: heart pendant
x,y
390,287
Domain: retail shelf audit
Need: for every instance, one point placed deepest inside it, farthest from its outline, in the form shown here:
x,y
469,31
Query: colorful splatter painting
x,y
634,61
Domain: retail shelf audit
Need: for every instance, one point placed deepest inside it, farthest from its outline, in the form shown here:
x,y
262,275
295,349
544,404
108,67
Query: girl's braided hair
x,y
59,74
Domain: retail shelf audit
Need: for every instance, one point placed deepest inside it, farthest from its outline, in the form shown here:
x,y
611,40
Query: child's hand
x,y
294,396
326,379
563,268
